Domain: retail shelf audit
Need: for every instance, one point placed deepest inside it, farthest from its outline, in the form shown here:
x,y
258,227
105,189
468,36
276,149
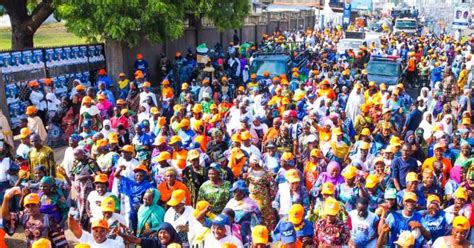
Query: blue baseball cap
x,y
215,166
239,185
87,123
287,233
221,220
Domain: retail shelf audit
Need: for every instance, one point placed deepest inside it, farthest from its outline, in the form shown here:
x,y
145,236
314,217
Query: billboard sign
x,y
461,16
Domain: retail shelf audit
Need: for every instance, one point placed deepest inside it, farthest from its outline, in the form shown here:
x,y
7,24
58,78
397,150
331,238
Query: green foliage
x,y
132,20
225,13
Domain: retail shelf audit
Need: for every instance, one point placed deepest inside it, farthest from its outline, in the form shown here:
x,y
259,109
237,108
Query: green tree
x,y
26,16
156,20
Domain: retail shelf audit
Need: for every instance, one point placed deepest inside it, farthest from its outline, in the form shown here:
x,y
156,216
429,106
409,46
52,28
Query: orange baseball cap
x,y
101,178
140,167
175,139
245,135
86,99
197,108
292,176
30,110
113,138
296,214
25,132
100,223
287,156
327,188
80,87
163,156
32,198
461,222
33,83
184,123
108,204
128,148
260,234
178,196
236,137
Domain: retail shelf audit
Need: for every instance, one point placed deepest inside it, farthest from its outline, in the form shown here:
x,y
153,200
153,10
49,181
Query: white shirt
x,y
464,211
128,172
186,218
115,218
4,167
89,239
95,200
251,150
23,150
211,242
144,96
364,225
37,99
68,160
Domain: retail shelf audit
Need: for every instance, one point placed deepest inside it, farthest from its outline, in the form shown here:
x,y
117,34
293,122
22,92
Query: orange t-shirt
x,y
310,174
166,192
329,93
428,163
167,92
202,140
178,157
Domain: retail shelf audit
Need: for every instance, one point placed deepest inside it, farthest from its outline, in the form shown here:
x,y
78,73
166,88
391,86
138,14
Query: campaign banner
x,y
346,15
461,17
362,5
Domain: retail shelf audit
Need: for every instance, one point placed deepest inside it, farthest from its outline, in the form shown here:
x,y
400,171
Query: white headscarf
x,y
426,126
447,127
353,104
53,101
104,131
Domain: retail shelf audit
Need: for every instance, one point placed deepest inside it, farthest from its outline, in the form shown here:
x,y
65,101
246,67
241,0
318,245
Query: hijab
x,y
153,214
53,102
104,105
353,104
447,127
174,237
426,126
456,173
106,132
326,176
133,91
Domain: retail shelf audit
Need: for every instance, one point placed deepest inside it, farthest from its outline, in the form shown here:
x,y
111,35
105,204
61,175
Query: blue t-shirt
x,y
401,168
306,231
437,225
421,200
398,223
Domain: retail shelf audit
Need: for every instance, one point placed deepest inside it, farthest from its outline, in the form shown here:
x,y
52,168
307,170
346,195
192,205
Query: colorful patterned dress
x,y
217,196
262,189
331,235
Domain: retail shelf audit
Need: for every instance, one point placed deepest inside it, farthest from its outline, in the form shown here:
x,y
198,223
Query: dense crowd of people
x,y
216,156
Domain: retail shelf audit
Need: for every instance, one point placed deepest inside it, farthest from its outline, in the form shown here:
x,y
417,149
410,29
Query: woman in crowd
x,y
215,190
262,190
247,213
134,190
150,214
